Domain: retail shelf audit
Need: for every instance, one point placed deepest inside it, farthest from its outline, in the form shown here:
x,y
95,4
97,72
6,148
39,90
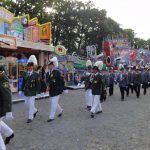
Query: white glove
x,y
20,93
131,84
9,116
65,92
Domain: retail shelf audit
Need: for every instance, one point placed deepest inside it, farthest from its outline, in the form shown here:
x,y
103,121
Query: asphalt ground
x,y
122,125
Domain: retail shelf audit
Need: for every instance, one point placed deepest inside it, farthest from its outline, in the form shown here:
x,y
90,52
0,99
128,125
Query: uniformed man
x,y
137,81
87,78
128,71
105,78
122,80
54,81
145,78
149,76
31,88
5,108
130,79
97,86
111,81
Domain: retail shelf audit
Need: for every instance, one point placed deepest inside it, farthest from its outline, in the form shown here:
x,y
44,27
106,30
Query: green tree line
x,y
75,24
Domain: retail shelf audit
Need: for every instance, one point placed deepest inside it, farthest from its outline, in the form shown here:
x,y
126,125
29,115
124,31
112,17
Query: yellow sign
x,y
60,50
6,15
45,31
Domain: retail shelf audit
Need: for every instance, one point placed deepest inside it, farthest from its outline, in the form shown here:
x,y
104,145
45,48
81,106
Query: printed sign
x,y
45,31
60,50
6,15
1,27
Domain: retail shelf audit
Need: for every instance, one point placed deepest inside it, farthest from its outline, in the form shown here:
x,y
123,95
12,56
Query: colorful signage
x,y
33,22
1,27
7,42
17,28
24,20
24,29
120,43
45,31
5,15
60,50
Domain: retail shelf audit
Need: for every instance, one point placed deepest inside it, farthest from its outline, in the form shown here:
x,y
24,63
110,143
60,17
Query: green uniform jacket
x,y
54,81
5,95
31,84
97,84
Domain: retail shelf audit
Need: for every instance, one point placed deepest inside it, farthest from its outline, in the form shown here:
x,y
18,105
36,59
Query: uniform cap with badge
x,y
121,67
98,65
89,64
32,61
53,61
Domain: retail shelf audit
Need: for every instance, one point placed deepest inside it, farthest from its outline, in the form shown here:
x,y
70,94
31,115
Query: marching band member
x,y
97,87
5,109
111,81
54,81
87,81
30,88
122,79
130,79
137,81
145,79
105,78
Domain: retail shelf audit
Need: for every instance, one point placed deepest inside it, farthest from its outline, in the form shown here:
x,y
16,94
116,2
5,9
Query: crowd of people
x,y
99,83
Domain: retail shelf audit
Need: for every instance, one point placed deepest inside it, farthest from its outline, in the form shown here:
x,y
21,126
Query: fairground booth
x,y
19,38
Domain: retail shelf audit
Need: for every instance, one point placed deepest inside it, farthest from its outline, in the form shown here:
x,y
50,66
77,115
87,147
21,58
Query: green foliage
x,y
74,24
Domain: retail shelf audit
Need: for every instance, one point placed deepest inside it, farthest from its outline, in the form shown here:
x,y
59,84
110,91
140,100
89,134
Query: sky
x,y
134,14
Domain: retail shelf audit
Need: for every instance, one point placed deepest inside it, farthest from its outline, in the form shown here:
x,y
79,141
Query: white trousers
x,y
54,106
96,106
2,145
88,97
30,102
5,129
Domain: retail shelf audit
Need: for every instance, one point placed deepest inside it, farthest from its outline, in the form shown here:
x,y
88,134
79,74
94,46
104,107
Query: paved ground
x,y
122,126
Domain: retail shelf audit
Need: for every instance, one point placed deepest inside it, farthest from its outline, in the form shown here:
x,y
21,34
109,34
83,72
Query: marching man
x,y
5,109
145,78
122,80
97,87
54,81
31,87
87,81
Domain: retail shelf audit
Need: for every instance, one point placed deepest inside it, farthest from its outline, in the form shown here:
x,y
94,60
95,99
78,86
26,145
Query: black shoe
x,y
50,120
34,115
92,115
88,107
99,112
59,115
122,99
7,140
29,120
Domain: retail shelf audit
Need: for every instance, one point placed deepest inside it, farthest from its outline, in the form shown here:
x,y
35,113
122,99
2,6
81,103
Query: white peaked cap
x,y
32,59
99,64
88,63
54,60
121,66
